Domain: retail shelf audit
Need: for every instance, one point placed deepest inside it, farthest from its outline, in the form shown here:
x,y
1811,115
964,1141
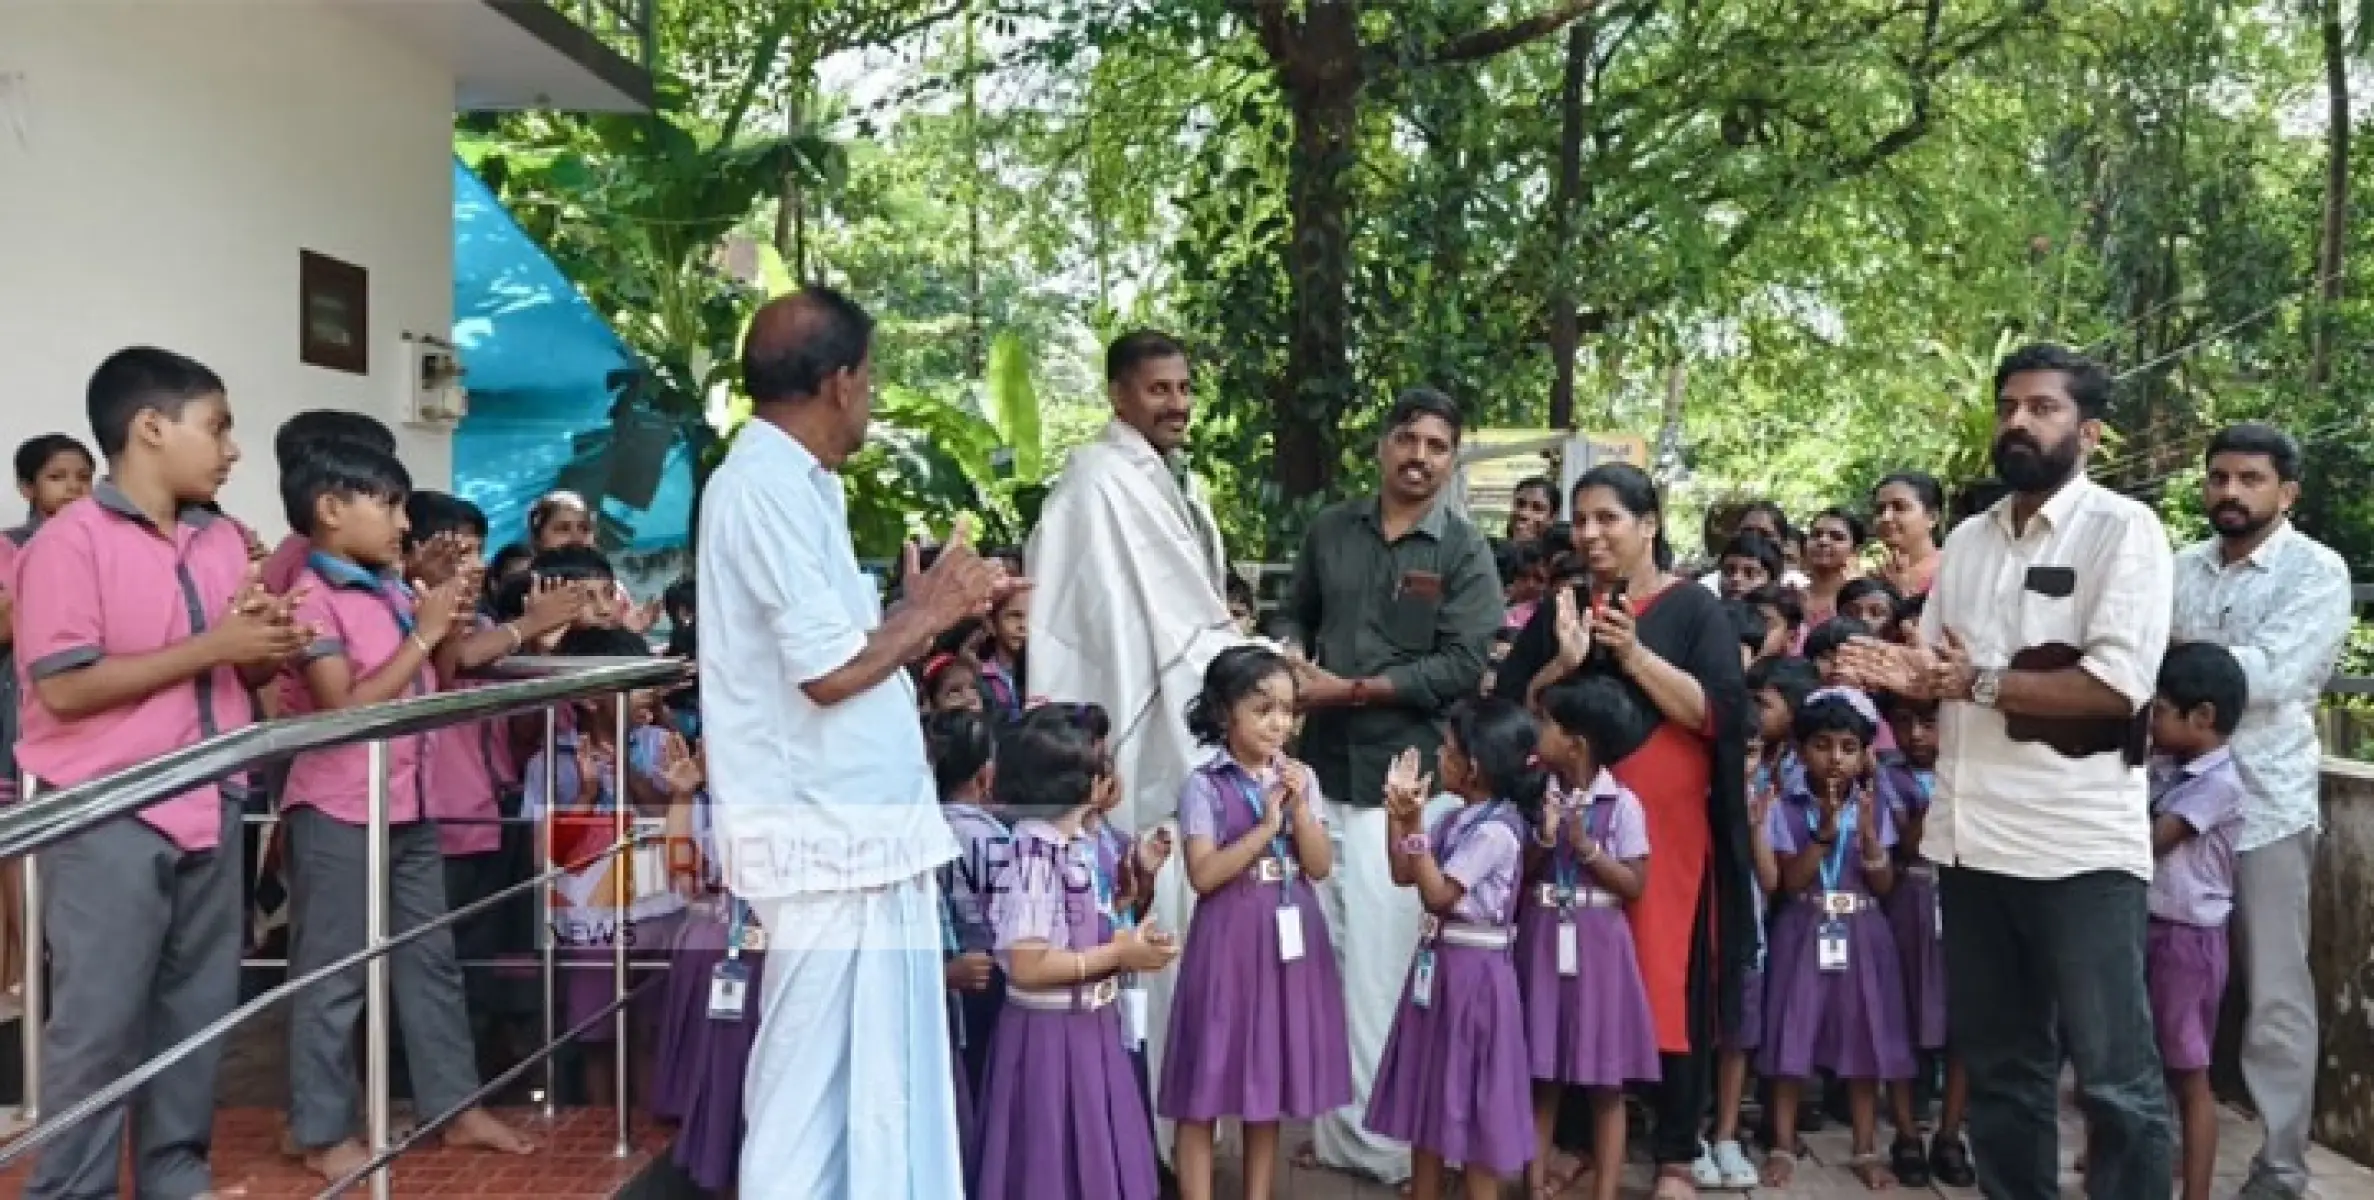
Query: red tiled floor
x,y
575,1160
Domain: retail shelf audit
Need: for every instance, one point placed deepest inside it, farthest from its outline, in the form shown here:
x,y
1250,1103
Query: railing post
x,y
622,866
375,1001
547,953
36,977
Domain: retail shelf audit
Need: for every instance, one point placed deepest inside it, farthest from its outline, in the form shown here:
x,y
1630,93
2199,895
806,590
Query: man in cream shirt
x,y
2045,857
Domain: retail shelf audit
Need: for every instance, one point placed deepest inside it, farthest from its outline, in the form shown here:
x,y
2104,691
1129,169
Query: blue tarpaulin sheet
x,y
540,362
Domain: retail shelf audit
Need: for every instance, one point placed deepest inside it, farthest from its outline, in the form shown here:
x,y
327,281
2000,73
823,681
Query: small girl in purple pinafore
x,y
1063,1111
1257,1020
1834,994
1907,780
1778,686
1453,1080
962,748
1587,1019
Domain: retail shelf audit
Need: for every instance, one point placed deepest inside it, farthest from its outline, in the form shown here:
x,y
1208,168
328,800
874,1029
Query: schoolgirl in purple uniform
x,y
962,751
1834,993
1587,1018
1063,1113
1257,1020
1907,779
1453,1081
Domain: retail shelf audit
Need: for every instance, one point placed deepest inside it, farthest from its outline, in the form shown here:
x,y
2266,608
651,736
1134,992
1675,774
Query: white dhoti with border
x,y
850,1090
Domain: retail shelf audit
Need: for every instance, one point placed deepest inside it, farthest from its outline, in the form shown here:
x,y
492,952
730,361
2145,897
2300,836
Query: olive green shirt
x,y
1419,612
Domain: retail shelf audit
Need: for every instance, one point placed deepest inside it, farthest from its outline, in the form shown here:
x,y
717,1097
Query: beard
x,y
2027,467
2234,521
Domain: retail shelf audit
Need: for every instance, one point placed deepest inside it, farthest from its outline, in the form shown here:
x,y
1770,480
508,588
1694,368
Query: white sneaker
x,y
1734,1171
1705,1172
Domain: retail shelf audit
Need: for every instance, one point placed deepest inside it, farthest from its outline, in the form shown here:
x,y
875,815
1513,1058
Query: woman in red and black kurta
x,y
1672,644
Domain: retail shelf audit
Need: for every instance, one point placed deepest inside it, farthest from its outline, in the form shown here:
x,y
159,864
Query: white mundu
x,y
1127,610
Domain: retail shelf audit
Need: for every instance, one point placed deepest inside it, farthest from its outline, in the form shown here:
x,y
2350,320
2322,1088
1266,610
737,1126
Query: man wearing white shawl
x,y
1130,607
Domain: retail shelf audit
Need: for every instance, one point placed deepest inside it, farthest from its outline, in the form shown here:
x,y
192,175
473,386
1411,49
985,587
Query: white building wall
x,y
162,164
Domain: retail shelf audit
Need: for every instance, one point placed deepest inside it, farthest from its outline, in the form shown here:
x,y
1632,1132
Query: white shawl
x,y
1128,609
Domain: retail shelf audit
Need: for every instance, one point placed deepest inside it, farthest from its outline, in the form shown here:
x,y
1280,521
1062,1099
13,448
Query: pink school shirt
x,y
287,562
358,624
104,581
470,766
1483,855
2194,883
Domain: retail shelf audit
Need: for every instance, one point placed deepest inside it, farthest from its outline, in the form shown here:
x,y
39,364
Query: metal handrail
x,y
537,683
44,819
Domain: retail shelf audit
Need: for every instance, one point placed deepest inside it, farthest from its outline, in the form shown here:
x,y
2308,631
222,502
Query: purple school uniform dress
x,y
1849,1022
1253,1036
1062,1112
703,1057
1912,906
1453,1079
986,849
1747,1036
1591,1027
2192,894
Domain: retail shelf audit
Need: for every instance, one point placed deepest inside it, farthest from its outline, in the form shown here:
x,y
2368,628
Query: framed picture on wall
x,y
333,313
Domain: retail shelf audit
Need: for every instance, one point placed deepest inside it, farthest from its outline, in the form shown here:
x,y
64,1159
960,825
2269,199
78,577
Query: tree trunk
x,y
2336,223
791,217
1319,262
1566,326
976,343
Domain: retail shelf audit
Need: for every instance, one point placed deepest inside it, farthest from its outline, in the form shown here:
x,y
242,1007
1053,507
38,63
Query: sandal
x,y
1949,1162
1555,1181
1872,1171
1908,1160
1780,1166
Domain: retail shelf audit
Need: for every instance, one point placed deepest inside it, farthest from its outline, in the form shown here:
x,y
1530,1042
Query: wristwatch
x,y
1986,686
1414,844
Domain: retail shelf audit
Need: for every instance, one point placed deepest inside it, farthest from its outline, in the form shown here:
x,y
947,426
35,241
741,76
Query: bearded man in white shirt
x,y
1134,607
2042,640
2281,603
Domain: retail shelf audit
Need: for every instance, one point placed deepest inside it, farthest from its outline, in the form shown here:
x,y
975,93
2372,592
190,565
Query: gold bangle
x,y
425,647
518,639
1079,968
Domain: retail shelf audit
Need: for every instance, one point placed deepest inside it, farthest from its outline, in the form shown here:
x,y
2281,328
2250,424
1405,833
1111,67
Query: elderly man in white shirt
x,y
2281,603
827,817
2040,825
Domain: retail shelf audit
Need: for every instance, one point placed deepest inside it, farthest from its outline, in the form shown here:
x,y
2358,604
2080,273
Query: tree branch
x,y
1508,35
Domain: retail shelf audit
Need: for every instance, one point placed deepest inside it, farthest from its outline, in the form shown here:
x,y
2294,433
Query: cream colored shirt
x,y
2020,808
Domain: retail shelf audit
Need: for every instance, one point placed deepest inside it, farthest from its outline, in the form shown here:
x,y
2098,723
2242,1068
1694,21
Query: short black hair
x,y
2196,673
1749,621
1417,402
1602,711
430,513
1046,768
1234,674
36,452
1829,712
1783,600
833,334
1751,544
342,469
1514,560
2258,438
1856,531
959,743
2088,382
1088,717
601,641
1869,585
1140,346
1831,635
683,595
566,563
141,379
1239,590
1793,678
299,432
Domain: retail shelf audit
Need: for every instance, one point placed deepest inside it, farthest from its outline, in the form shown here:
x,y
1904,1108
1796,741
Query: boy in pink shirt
x,y
290,443
139,627
374,643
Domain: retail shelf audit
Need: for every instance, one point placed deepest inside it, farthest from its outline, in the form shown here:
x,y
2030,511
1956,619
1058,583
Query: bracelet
x,y
1414,845
518,639
425,647
1876,864
1079,968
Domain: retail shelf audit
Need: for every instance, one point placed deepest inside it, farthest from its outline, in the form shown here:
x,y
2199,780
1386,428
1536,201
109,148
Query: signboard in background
x,y
1492,462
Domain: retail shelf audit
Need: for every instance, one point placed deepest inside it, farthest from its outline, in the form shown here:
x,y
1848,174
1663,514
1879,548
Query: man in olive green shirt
x,y
1395,599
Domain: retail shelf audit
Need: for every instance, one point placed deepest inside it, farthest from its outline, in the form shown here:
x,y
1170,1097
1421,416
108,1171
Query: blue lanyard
x,y
1927,782
1277,844
733,930
341,573
1103,886
1835,862
1564,866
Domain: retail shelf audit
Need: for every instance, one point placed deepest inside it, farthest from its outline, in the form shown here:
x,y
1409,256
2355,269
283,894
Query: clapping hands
x,y
1407,787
